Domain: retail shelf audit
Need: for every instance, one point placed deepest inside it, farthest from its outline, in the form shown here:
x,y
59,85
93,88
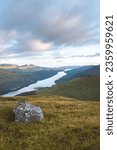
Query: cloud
x,y
28,27
61,22
37,45
91,55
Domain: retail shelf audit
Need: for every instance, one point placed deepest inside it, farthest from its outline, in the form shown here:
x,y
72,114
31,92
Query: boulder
x,y
25,112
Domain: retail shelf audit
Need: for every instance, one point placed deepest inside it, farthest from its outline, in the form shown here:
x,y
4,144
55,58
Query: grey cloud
x,y
59,22
92,55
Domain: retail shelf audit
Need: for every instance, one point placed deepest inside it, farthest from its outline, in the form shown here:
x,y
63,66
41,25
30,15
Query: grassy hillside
x,y
69,125
87,88
14,79
84,71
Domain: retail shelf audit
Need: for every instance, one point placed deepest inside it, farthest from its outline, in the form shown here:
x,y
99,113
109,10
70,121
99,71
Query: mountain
x,y
82,83
15,77
85,88
67,67
8,66
84,71
22,67
71,111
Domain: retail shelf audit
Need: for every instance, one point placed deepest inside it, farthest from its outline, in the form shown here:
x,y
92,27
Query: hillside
x,y
14,79
87,88
84,71
69,125
67,67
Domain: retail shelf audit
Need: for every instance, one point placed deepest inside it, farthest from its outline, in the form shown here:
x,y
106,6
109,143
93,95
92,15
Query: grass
x,y
87,88
69,124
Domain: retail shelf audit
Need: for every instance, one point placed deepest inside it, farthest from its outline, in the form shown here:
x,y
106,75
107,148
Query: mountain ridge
x,y
83,71
14,79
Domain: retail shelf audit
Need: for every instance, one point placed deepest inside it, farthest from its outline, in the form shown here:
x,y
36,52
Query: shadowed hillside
x,y
84,71
14,79
87,88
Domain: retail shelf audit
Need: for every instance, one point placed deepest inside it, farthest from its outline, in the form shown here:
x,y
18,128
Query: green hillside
x,y
14,79
84,71
69,124
87,88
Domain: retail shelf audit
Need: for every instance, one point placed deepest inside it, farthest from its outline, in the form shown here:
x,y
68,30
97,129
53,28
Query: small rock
x,y
25,112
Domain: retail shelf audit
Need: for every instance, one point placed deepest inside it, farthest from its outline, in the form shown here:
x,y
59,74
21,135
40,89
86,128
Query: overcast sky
x,y
49,32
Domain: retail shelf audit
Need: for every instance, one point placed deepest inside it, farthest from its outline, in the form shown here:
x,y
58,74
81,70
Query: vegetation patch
x,y
69,124
87,88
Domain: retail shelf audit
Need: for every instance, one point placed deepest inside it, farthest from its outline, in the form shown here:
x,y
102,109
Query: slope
x,y
83,71
87,88
69,124
14,79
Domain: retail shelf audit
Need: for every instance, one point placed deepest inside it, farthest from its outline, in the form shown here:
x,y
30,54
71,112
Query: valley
x,y
80,83
12,79
71,109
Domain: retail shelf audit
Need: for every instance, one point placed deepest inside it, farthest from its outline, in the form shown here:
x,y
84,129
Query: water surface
x,y
41,83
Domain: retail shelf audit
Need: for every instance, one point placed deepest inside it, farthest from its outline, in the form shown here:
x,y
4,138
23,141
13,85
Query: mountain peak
x,y
8,66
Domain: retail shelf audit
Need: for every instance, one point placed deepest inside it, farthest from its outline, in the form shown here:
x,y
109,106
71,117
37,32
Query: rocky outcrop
x,y
25,112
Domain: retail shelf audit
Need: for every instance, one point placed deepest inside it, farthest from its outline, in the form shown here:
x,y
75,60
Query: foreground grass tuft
x,y
69,124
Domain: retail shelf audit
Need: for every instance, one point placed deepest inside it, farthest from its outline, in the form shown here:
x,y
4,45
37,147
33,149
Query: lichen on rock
x,y
25,112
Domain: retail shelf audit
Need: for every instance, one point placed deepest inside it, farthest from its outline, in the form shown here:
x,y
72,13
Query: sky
x,y
49,33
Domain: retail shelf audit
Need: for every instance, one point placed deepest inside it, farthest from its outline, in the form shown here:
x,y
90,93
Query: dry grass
x,y
69,125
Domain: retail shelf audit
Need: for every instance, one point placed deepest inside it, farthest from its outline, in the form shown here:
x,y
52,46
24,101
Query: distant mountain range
x,y
67,67
81,82
84,71
13,77
22,68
